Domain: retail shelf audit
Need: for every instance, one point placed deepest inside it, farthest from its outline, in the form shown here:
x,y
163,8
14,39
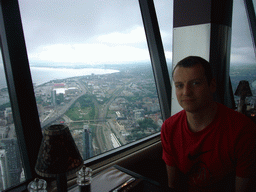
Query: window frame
x,y
22,97
20,87
157,56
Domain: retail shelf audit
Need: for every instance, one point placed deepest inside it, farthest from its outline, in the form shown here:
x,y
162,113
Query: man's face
x,y
192,89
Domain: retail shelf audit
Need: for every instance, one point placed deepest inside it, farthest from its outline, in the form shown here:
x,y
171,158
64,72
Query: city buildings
x,y
11,166
87,143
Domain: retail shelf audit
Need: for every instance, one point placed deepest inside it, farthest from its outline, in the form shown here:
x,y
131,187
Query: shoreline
x,y
42,75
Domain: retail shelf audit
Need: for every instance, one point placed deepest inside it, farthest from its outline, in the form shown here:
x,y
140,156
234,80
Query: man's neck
x,y
197,121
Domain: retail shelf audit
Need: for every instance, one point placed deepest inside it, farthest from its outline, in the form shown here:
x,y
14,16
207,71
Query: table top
x,y
116,176
106,180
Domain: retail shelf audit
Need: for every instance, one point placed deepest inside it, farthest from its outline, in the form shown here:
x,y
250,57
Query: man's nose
x,y
187,90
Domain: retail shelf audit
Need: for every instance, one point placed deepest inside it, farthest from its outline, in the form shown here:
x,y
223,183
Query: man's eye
x,y
178,86
196,83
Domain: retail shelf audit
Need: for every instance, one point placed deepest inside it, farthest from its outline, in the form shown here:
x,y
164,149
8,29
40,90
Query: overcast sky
x,y
102,32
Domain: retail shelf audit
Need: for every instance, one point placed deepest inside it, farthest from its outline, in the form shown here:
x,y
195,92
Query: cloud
x,y
168,56
64,21
89,54
117,47
136,35
93,30
242,55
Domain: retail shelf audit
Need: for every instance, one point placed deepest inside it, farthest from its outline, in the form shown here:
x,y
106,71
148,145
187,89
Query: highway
x,y
105,130
60,111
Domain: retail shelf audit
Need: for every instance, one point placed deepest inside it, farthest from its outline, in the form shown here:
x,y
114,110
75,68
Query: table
x,y
115,176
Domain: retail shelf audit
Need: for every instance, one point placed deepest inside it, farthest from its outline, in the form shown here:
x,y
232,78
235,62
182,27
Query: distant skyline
x,y
96,32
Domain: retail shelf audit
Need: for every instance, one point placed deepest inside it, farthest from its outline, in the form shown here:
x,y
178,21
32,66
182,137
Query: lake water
x,y
42,75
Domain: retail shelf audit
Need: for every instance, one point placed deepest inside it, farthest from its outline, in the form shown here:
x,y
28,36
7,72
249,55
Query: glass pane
x,y
164,11
254,4
91,70
11,168
243,61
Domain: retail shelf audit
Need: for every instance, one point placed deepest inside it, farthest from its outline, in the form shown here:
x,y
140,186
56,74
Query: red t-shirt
x,y
206,157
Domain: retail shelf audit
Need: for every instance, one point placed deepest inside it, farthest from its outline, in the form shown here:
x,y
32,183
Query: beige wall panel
x,y
189,40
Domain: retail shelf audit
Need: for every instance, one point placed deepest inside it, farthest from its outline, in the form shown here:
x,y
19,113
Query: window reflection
x,y
164,11
254,4
11,168
243,61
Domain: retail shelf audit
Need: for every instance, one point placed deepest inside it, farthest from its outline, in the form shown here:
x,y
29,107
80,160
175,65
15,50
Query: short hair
x,y
191,61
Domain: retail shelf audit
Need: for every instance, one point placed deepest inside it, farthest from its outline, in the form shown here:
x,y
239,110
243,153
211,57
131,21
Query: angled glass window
x,y
91,70
243,61
164,11
11,166
254,4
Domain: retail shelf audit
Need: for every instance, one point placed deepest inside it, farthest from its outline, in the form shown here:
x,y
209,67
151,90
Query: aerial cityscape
x,y
114,109
103,112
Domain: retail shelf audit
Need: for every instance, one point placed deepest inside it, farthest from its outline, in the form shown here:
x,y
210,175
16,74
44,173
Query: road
x,y
115,130
104,129
60,111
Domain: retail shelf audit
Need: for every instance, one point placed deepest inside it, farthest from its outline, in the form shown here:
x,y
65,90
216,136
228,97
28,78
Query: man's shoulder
x,y
173,123
234,115
234,118
176,118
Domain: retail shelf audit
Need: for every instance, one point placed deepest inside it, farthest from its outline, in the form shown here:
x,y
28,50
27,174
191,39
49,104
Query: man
x,y
206,146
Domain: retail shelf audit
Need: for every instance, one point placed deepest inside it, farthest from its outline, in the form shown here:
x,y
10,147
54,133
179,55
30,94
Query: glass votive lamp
x,y
38,185
84,179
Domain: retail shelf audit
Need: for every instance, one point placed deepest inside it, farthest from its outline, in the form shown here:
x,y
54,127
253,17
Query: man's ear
x,y
213,85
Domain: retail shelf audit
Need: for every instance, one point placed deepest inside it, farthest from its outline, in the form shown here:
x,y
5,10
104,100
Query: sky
x,y
95,32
